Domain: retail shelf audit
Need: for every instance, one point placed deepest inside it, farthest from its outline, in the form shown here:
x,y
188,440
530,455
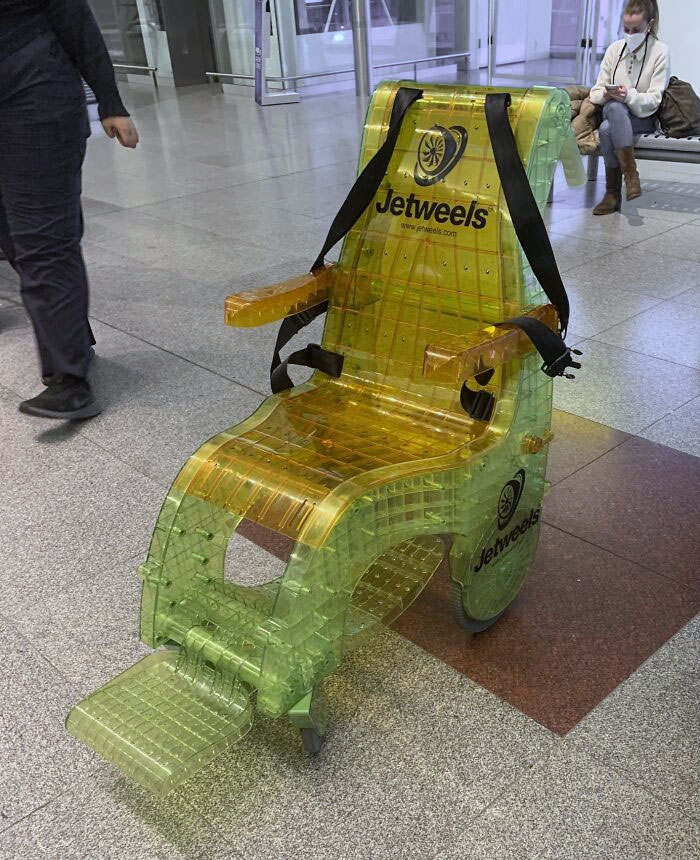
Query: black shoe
x,y
66,397
47,377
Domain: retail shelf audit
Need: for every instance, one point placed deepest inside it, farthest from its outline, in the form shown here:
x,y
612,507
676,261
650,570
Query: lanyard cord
x,y
619,60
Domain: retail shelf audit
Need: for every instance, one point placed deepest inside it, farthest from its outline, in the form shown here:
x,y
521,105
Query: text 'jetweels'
x,y
427,210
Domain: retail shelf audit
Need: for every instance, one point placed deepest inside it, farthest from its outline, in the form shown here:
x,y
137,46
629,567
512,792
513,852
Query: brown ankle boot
x,y
629,169
613,192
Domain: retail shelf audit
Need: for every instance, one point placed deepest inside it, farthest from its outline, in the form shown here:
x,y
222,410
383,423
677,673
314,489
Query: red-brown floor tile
x,y
641,501
584,621
273,542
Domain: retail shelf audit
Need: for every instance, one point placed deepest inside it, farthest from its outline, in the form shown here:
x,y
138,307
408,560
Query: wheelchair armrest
x,y
272,304
464,357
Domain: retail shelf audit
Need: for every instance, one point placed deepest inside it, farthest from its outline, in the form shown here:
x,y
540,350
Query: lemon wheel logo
x,y
509,498
439,151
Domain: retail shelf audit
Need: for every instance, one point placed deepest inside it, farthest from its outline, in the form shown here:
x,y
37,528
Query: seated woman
x,y
633,77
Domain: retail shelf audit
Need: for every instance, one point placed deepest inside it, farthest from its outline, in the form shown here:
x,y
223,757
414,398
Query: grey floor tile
x,y
689,297
670,178
651,169
621,229
93,208
188,319
568,807
409,740
256,225
597,306
12,319
103,817
682,651
7,273
69,507
683,241
213,263
158,408
649,729
657,203
38,758
668,331
314,204
133,233
89,631
679,429
158,171
559,212
625,390
628,269
248,564
571,252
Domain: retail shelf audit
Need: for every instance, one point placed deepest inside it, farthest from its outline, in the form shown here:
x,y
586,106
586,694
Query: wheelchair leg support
x,y
310,716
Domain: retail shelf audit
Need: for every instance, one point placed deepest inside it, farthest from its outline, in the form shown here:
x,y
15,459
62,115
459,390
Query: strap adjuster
x,y
560,364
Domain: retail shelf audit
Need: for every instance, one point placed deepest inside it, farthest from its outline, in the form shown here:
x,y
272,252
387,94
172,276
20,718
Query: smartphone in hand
x,y
612,88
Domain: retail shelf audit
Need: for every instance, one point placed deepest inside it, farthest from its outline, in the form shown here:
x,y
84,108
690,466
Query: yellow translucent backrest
x,y
435,256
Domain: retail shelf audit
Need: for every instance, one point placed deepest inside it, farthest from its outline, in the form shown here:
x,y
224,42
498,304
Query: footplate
x,y
158,725
393,582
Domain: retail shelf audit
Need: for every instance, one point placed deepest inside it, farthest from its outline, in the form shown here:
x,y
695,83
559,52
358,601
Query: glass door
x,y
120,24
233,33
402,30
544,41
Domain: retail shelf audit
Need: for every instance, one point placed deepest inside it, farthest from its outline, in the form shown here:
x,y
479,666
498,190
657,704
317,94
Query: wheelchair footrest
x,y
393,582
158,725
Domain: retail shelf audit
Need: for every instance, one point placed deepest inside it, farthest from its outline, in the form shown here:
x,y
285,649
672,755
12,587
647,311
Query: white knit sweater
x,y
643,99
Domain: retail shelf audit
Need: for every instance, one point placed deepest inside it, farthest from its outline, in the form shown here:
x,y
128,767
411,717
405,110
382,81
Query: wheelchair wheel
x,y
474,625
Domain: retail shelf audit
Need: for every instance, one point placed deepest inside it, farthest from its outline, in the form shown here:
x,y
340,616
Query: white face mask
x,y
635,40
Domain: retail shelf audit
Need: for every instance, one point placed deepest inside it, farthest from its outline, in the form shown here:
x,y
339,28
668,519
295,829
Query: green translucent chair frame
x,y
375,474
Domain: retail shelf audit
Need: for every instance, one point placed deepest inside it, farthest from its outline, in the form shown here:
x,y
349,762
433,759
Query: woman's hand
x,y
123,129
620,95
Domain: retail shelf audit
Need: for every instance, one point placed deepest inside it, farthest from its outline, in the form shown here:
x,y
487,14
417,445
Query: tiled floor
x,y
569,730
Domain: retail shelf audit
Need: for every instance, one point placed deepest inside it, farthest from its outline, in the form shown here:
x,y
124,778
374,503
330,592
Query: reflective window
x,y
120,23
324,16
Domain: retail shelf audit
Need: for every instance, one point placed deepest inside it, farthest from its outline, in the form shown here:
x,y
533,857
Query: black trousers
x,y
43,133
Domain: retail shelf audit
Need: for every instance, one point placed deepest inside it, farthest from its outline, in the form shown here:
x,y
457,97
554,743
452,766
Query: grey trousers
x,y
43,130
619,128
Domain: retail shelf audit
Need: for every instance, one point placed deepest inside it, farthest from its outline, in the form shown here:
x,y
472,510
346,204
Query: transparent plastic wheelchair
x,y
423,430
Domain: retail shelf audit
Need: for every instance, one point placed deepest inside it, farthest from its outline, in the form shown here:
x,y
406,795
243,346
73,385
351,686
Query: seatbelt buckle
x,y
560,364
324,360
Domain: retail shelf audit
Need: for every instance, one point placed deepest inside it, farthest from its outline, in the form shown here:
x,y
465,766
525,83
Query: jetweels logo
x,y
439,152
507,505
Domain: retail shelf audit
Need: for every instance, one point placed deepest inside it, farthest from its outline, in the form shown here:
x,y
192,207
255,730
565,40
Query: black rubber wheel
x,y
474,625
312,741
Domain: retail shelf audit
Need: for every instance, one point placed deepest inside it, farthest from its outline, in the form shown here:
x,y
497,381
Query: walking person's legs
x,y
40,185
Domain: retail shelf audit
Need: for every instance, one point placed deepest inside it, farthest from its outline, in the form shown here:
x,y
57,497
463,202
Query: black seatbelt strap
x,y
524,212
368,182
361,195
556,354
533,237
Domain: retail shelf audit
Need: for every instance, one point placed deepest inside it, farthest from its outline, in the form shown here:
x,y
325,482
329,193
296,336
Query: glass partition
x,y
233,31
120,23
401,30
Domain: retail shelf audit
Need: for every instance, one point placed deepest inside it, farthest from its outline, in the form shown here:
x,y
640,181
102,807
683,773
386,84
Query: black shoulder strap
x,y
524,212
532,235
361,195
